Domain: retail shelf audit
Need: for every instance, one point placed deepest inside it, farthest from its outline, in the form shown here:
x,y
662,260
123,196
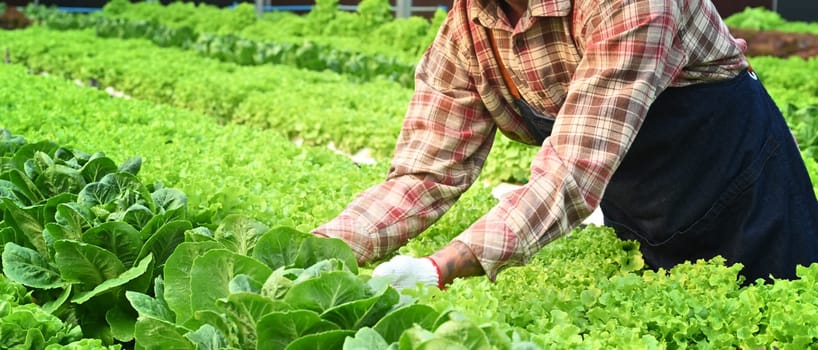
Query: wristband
x,y
439,276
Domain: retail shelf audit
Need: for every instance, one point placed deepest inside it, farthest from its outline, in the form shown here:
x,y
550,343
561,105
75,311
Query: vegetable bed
x,y
148,223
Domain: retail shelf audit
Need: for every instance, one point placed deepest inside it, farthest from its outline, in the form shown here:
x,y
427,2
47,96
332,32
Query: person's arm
x,y
445,139
627,61
456,260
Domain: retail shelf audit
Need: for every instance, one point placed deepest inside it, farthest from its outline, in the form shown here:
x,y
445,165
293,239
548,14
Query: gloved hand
x,y
407,272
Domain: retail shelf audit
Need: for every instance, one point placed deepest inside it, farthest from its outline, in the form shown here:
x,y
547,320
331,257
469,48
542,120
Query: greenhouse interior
x,y
331,156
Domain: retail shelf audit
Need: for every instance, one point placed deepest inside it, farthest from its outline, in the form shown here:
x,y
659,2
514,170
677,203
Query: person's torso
x,y
546,46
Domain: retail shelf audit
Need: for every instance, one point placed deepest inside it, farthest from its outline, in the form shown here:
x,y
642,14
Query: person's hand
x,y
407,272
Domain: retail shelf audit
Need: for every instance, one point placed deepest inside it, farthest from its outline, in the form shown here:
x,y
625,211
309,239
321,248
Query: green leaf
x,y
28,222
318,249
10,143
164,241
326,291
29,151
441,343
67,157
155,334
25,186
52,233
285,246
498,337
118,238
207,338
50,207
252,306
8,234
464,333
244,311
211,274
177,277
171,202
200,234
131,166
34,339
122,320
131,274
91,317
221,323
366,338
27,267
35,166
363,312
397,322
51,306
280,247
147,306
321,267
243,283
328,340
85,263
278,329
122,187
279,282
97,168
10,191
74,218
415,336
97,193
136,215
154,224
143,283
58,179
239,233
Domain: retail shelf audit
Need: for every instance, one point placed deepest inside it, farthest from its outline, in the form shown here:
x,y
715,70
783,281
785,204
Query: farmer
x,y
647,108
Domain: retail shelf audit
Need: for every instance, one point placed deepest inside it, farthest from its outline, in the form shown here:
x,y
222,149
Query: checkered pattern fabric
x,y
596,65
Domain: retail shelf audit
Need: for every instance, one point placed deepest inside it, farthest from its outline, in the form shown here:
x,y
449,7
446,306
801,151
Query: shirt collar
x,y
488,12
549,8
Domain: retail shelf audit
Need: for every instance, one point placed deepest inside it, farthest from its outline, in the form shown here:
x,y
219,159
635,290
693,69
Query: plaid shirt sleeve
x,y
445,139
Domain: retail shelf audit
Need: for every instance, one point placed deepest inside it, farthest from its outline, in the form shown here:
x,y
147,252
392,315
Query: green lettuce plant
x,y
79,230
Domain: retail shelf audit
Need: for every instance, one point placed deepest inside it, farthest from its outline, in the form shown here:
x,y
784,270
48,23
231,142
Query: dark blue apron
x,y
713,171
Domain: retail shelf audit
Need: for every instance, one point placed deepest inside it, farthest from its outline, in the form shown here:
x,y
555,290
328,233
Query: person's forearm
x,y
456,260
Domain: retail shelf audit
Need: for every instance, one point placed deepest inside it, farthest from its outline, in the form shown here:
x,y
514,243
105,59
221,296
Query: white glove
x,y
407,272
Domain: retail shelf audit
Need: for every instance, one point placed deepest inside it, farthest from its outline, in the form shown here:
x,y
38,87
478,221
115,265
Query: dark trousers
x,y
713,171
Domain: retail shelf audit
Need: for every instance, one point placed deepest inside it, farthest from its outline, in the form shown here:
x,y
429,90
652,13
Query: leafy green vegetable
x,y
211,274
285,246
27,267
27,326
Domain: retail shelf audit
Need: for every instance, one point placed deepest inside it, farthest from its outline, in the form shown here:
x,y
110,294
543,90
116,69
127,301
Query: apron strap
x,y
503,70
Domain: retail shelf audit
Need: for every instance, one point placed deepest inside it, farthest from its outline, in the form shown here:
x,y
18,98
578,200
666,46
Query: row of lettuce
x,y
107,252
315,108
114,253
357,48
761,18
121,260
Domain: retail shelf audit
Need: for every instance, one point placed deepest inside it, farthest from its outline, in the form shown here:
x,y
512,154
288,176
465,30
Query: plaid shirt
x,y
596,65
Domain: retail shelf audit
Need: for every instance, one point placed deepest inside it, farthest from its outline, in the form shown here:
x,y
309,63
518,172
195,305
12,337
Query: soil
x,y
779,44
12,18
